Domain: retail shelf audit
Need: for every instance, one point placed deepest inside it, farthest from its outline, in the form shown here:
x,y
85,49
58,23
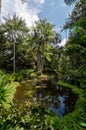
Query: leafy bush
x,y
27,73
40,118
37,118
7,88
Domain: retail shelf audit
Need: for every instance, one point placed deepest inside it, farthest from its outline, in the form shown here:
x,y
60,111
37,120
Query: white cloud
x,y
63,42
28,11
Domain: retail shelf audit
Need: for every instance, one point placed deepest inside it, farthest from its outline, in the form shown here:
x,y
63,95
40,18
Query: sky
x,y
55,11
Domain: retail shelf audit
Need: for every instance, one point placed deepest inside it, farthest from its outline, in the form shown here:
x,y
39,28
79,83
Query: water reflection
x,y
59,107
59,100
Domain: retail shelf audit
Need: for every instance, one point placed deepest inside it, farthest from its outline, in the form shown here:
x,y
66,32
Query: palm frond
x,y
69,2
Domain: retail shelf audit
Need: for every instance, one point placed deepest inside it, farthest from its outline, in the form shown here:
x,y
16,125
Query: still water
x,y
58,99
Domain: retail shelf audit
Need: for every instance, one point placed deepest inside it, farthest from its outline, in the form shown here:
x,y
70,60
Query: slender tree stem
x,y
14,59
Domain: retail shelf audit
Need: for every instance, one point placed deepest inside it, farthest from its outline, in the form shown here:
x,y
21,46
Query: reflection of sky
x,y
61,107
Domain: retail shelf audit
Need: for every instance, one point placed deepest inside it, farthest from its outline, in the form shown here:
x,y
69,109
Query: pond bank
x,y
77,117
76,90
48,94
40,117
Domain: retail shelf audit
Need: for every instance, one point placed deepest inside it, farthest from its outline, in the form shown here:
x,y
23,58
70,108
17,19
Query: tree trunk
x,y
14,59
40,63
0,11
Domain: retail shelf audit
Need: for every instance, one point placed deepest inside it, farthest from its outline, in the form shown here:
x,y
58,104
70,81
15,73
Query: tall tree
x,y
14,29
78,12
42,35
76,46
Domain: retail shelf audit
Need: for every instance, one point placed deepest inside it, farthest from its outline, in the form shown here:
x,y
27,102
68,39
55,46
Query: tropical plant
x,y
42,35
14,31
78,12
76,46
7,88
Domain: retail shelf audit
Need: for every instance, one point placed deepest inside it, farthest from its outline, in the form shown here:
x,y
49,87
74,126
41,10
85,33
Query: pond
x,y
58,99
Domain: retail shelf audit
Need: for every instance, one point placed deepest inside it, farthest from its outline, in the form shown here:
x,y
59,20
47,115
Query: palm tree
x,y
42,35
83,4
78,12
15,28
69,2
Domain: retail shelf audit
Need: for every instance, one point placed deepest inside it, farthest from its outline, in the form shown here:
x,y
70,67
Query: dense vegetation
x,y
28,53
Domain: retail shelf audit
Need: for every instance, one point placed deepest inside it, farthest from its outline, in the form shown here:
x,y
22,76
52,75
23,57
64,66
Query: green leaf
x,y
83,124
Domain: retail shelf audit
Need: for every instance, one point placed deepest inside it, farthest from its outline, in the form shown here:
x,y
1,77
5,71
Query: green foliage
x,y
74,120
37,118
25,49
7,88
69,2
41,37
52,60
40,118
72,66
34,54
12,50
75,51
24,74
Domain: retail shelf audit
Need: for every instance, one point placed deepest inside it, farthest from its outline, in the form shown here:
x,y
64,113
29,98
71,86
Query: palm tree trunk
x,y
0,11
40,60
14,59
39,66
